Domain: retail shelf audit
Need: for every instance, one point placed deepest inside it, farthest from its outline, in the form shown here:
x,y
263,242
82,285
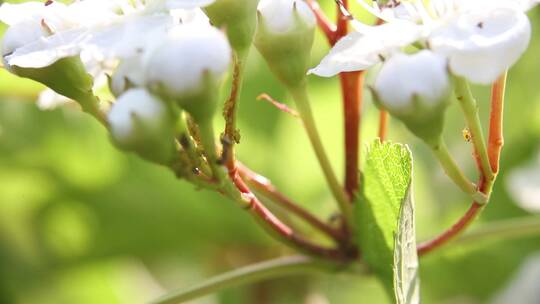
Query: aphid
x,y
467,135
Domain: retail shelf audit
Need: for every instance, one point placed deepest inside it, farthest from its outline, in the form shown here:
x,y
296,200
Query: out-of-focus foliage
x,y
83,223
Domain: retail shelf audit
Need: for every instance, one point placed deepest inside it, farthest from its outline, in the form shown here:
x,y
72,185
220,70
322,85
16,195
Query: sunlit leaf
x,y
385,220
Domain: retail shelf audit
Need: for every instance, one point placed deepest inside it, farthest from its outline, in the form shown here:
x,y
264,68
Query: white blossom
x,y
189,52
134,107
104,28
282,15
480,38
407,82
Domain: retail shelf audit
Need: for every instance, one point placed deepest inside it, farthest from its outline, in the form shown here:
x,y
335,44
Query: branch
x,y
231,135
279,229
304,108
470,109
383,125
247,275
351,87
280,106
268,189
495,137
496,122
342,20
451,233
323,22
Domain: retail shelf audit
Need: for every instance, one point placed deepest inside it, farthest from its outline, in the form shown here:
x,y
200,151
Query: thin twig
x,y
326,26
495,137
279,229
383,125
268,189
276,268
496,121
231,135
280,106
343,17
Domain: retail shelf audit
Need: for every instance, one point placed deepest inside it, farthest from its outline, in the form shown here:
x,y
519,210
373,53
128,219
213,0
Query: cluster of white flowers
x,y
170,41
478,40
169,47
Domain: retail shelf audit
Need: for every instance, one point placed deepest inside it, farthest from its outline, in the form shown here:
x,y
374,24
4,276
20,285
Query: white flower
x,y
407,82
361,50
281,15
189,53
481,44
480,38
135,107
104,28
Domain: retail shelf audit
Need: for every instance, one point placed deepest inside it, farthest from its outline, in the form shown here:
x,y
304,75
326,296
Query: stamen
x,y
46,27
49,2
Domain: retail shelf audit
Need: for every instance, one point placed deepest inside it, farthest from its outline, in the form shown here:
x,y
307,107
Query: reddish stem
x,y
326,26
342,22
267,188
494,152
351,86
278,228
451,233
496,139
383,125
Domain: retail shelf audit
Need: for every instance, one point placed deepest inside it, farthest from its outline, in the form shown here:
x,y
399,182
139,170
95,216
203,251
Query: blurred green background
x,y
81,222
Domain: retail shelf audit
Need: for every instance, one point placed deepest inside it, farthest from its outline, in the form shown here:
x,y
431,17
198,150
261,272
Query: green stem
x,y
470,109
507,229
230,110
246,275
208,141
454,172
302,102
90,104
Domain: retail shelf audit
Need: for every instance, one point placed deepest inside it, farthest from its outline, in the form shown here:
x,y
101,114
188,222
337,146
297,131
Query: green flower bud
x,y
285,38
238,17
67,77
415,89
144,124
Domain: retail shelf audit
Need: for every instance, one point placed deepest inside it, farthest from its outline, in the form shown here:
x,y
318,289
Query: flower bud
x,y
416,89
142,123
129,74
238,17
66,76
188,68
285,37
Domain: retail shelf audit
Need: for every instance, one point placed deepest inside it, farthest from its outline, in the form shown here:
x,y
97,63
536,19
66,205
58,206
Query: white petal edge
x,y
482,44
360,51
187,4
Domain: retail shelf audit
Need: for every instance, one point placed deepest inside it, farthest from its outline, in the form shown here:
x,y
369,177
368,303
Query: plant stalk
x,y
247,275
470,109
304,109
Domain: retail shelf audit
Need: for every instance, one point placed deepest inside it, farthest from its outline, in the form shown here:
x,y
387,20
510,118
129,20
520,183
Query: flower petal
x,y
47,50
173,4
481,44
119,40
359,51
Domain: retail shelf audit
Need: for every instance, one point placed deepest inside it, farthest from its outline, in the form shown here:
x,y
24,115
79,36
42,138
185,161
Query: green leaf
x,y
384,214
406,281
